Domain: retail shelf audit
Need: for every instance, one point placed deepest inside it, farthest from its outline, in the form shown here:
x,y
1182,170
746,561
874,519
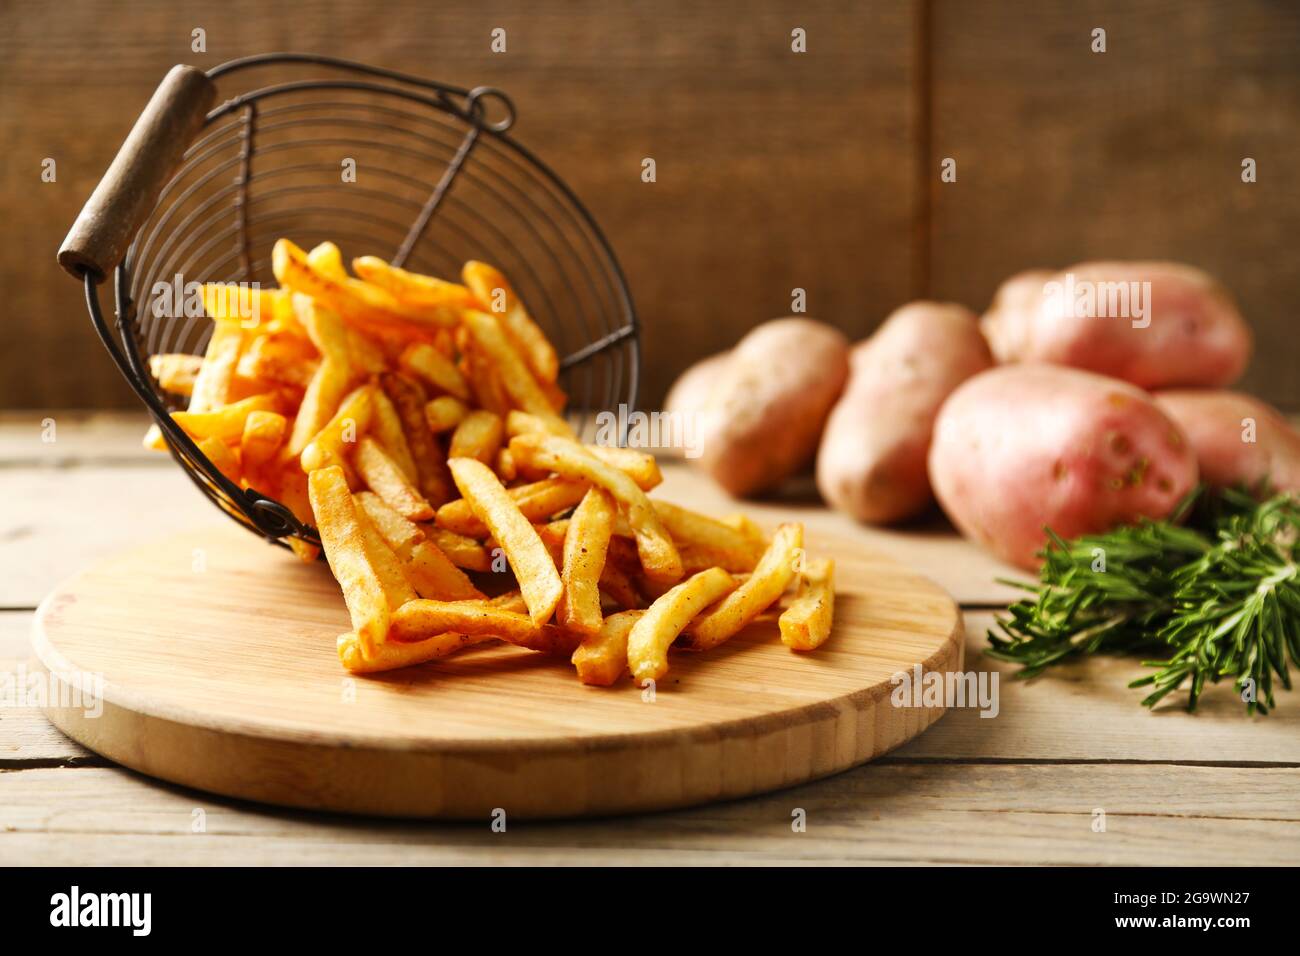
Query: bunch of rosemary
x,y
1216,597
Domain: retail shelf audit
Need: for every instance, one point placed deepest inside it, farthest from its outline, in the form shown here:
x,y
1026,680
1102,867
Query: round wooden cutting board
x,y
216,655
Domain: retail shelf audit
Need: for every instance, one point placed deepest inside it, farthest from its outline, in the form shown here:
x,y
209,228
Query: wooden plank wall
x,y
775,170
1065,155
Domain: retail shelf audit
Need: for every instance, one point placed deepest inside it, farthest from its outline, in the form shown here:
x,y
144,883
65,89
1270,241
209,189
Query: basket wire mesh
x,y
437,181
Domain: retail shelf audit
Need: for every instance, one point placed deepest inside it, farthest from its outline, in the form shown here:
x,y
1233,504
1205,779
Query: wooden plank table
x,y
1026,786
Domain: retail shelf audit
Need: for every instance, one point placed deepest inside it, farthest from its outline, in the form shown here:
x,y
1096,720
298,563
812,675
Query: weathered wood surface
x,y
1210,788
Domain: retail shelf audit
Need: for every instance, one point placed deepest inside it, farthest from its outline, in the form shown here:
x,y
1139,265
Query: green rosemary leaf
x,y
1219,596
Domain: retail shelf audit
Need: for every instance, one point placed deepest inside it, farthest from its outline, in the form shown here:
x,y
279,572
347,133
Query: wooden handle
x,y
148,158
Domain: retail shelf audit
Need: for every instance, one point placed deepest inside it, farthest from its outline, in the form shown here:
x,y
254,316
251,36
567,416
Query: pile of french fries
x,y
416,422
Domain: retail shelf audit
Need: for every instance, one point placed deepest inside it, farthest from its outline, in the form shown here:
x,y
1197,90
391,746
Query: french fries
x,y
344,539
226,422
176,373
651,636
764,587
659,555
415,421
806,623
586,542
426,362
261,438
538,501
422,618
601,659
433,478
444,413
516,378
386,479
477,436
491,289
539,582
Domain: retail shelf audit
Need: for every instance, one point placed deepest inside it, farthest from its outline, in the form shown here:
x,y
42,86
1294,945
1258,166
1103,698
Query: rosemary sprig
x,y
1216,598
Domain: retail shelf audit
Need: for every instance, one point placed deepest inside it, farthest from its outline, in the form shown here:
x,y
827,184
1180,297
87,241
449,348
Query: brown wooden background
x,y
775,170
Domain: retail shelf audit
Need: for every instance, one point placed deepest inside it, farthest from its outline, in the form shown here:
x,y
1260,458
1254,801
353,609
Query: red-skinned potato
x,y
1023,447
693,387
872,459
760,421
1238,439
1099,316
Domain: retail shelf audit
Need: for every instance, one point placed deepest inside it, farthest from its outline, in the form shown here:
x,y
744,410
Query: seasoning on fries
x,y
417,423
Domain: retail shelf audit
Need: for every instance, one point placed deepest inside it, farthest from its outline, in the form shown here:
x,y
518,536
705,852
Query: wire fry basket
x,y
317,148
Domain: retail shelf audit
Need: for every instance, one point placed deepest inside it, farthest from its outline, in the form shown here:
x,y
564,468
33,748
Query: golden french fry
x,y
400,534
320,402
585,544
344,537
539,582
430,571
388,567
261,439
428,363
385,479
478,436
366,354
397,654
505,465
386,428
324,328
492,290
306,552
616,584
462,551
537,501
176,372
212,383
640,467
423,618
522,423
746,526
668,616
444,413
358,302
516,378
659,555
327,260
282,358
412,287
772,575
241,305
346,427
601,659
484,380
153,438
434,575
697,557
287,483
705,542
221,455
806,623
227,422
430,462
552,535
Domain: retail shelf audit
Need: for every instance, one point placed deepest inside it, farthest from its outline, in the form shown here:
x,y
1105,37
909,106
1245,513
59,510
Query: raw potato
x,y
1238,439
1193,335
692,390
1021,447
760,422
872,460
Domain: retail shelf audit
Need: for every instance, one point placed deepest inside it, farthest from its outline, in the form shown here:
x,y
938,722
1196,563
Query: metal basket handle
x,y
148,159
